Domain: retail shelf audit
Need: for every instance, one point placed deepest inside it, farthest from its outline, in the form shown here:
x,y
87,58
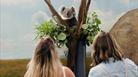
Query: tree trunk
x,y
71,59
76,57
80,59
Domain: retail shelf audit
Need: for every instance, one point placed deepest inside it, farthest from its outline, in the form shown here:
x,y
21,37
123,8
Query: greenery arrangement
x,y
59,34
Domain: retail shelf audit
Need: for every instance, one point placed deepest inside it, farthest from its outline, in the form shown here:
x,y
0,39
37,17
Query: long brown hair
x,y
45,61
105,47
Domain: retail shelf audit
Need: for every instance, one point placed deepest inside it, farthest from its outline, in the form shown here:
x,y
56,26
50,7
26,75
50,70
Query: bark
x,y
76,57
80,62
71,59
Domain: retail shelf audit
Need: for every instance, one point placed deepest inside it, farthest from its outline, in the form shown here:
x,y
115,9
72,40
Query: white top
x,y
125,68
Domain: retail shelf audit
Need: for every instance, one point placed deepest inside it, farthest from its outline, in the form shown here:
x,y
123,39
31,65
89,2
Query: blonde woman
x,y
108,60
46,63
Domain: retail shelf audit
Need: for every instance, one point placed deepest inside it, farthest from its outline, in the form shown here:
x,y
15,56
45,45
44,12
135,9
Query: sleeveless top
x,y
64,74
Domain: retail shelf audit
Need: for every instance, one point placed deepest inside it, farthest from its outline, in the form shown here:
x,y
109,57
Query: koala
x,y
68,14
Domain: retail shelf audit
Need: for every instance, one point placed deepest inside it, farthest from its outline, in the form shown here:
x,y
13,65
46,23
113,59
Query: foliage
x,y
50,28
91,28
59,34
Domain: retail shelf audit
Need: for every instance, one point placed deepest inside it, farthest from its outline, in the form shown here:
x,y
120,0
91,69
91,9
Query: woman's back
x,y
67,72
124,68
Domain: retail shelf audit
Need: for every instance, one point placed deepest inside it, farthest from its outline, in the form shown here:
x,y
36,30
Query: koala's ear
x,y
73,9
63,8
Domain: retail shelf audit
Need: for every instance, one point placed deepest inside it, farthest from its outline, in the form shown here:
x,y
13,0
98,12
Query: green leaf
x,y
61,36
84,26
98,21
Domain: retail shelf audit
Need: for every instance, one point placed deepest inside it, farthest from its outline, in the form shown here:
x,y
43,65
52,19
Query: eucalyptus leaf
x,y
61,36
84,26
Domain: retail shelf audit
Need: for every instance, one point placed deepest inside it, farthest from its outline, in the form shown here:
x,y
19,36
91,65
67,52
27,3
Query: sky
x,y
18,17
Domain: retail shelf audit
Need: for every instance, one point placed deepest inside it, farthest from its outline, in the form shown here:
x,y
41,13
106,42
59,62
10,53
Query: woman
x,y
46,63
108,61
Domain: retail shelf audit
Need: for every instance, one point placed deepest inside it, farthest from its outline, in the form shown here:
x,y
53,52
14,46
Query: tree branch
x,y
81,10
88,5
82,15
87,8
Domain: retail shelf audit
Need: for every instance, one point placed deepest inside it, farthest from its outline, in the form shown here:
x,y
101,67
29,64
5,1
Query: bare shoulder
x,y
68,72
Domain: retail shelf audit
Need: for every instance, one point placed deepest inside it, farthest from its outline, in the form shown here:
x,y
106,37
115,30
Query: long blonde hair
x,y
45,61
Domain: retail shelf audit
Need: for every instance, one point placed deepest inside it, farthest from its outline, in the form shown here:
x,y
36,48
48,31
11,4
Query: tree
x,y
75,38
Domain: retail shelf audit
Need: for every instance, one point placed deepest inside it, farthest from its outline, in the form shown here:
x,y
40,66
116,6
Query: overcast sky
x,y
17,18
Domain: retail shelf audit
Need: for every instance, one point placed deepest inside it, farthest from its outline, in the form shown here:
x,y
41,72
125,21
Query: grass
x,y
13,68
17,68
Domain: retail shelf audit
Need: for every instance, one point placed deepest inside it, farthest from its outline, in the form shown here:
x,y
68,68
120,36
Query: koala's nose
x,y
68,14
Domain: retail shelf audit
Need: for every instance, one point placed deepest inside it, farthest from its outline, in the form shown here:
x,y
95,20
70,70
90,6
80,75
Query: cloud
x,y
20,47
39,17
108,18
126,1
27,36
17,2
24,42
77,1
7,44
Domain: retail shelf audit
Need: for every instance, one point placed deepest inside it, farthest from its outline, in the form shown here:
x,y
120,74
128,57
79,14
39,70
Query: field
x,y
17,68
12,68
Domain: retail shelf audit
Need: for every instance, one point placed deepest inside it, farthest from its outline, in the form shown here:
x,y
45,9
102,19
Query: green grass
x,y
17,68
